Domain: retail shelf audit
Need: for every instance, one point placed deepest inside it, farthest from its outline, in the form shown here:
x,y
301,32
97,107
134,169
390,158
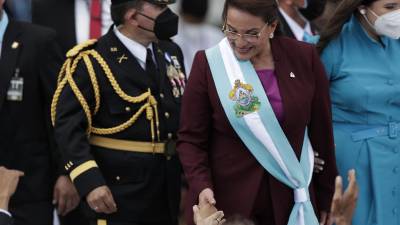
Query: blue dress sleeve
x,y
331,57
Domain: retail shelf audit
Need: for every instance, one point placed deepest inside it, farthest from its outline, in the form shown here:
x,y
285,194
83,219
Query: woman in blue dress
x,y
361,53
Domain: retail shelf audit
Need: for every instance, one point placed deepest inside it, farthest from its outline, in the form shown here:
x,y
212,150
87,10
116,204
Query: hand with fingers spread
x,y
343,204
65,195
8,184
318,163
217,218
101,200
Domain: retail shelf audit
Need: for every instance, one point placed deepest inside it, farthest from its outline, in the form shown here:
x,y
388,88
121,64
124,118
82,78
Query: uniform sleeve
x,y
195,127
71,135
50,64
321,136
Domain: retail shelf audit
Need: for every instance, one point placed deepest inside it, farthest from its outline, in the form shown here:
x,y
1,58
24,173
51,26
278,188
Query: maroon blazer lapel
x,y
293,82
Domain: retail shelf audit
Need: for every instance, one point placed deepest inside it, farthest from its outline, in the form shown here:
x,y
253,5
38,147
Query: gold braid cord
x,y
65,77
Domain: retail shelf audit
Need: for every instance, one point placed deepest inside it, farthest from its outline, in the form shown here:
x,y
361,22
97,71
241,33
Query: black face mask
x,y
165,25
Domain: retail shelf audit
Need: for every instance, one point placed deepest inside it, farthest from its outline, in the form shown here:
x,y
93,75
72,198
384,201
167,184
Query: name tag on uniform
x,y
16,89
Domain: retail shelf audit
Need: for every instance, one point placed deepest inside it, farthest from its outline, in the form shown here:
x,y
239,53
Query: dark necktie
x,y
95,19
151,68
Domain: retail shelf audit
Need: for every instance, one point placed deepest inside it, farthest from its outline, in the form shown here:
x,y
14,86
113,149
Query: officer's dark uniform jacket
x,y
145,186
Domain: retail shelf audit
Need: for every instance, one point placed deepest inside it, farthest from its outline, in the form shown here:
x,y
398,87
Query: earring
x,y
271,35
363,11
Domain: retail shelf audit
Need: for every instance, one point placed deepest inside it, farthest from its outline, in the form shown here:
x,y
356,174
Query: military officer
x,y
116,113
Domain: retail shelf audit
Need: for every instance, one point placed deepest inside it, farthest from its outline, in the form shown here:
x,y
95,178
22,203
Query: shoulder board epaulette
x,y
80,47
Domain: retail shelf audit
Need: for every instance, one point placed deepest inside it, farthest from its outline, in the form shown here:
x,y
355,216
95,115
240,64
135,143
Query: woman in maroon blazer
x,y
218,166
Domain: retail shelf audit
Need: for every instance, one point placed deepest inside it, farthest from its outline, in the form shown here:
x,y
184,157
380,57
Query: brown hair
x,y
266,9
339,17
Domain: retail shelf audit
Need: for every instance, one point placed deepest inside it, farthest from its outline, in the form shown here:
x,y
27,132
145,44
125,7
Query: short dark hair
x,y
118,11
265,9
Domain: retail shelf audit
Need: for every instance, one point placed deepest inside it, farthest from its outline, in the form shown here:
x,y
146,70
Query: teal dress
x,y
365,90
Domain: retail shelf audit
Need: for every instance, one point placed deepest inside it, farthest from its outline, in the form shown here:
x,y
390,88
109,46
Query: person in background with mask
x,y
360,48
116,113
295,17
194,32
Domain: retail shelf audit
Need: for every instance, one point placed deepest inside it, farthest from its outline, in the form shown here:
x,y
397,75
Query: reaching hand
x,y
318,163
8,184
216,218
343,205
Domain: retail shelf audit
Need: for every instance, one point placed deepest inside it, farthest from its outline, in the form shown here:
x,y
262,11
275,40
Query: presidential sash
x,y
250,113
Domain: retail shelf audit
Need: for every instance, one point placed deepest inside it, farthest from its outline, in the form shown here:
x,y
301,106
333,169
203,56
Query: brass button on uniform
x,y
127,109
166,115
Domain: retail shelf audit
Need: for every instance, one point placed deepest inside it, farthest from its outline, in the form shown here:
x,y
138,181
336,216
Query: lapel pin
x,y
122,58
292,75
15,45
114,49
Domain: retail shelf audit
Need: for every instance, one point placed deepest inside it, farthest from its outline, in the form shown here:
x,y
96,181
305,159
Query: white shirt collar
x,y
3,26
5,212
297,30
137,49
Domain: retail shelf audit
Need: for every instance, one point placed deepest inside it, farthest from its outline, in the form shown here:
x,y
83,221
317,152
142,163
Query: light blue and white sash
x,y
261,132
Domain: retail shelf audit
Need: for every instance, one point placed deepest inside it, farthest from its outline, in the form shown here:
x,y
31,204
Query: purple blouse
x,y
270,85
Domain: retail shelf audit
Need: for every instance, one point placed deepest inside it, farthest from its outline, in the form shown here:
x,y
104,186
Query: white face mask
x,y
387,24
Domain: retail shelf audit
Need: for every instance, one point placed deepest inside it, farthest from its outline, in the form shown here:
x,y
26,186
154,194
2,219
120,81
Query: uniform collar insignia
x,y
122,58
